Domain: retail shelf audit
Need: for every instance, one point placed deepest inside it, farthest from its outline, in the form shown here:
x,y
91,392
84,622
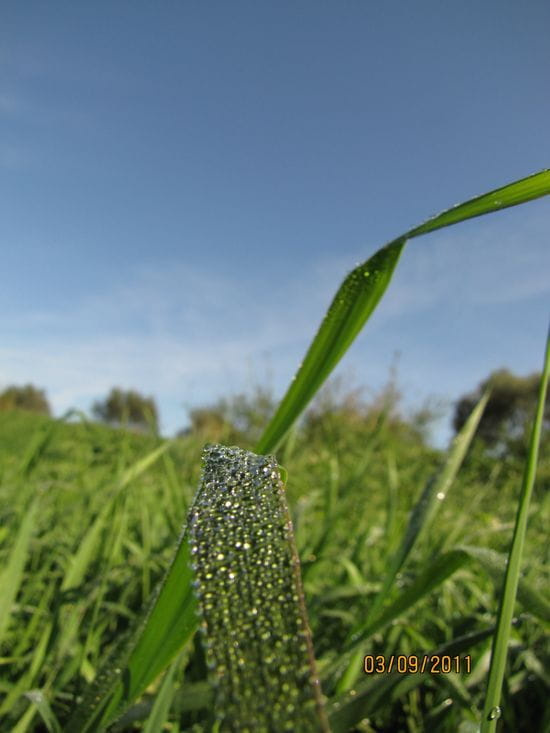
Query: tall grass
x,y
84,546
491,709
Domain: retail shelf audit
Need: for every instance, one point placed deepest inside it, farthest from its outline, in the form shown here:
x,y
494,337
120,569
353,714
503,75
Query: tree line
x,y
503,427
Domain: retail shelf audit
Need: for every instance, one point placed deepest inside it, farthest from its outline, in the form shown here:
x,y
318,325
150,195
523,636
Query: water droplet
x,y
440,495
494,713
249,595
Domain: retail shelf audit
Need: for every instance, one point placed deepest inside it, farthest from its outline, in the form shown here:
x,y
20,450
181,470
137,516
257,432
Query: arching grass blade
x,y
352,305
360,293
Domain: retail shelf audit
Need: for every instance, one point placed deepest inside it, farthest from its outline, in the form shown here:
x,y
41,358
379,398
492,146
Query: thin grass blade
x,y
430,500
139,467
38,699
421,515
525,189
431,577
12,575
166,625
163,701
491,710
495,564
345,711
82,558
36,448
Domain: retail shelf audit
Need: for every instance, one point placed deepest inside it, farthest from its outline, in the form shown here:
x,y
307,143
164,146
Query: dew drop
x,y
494,713
249,595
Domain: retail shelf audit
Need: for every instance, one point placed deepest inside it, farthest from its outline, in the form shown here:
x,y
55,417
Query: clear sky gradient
x,y
184,185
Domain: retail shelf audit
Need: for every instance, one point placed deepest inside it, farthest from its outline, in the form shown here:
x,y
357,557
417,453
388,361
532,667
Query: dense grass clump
x,y
84,572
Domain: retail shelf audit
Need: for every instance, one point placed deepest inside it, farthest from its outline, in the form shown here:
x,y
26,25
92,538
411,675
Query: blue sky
x,y
184,185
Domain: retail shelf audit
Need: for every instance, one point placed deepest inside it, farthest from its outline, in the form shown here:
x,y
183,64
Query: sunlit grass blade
x,y
36,448
519,192
12,575
163,700
431,577
250,597
491,710
137,468
495,564
169,622
431,498
346,710
360,293
39,646
421,515
352,305
38,699
82,558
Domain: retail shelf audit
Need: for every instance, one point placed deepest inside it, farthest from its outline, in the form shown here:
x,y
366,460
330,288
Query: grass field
x,y
424,590
93,529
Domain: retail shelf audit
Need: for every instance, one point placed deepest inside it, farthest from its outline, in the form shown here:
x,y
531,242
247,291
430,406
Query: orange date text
x,y
417,664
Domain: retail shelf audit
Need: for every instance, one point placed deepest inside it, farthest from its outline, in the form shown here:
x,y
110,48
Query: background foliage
x,y
27,397
506,420
356,469
127,407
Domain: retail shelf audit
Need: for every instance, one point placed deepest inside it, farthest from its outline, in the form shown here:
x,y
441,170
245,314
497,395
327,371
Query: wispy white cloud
x,y
492,261
177,332
185,333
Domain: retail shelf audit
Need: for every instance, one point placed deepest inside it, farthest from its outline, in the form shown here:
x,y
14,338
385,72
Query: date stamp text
x,y
417,664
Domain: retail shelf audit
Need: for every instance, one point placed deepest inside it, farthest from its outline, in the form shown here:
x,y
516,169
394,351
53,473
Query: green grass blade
x,y
86,552
491,710
361,292
36,448
421,515
44,710
80,561
432,576
352,305
23,724
139,467
430,500
495,564
12,575
163,701
248,581
169,623
345,711
518,192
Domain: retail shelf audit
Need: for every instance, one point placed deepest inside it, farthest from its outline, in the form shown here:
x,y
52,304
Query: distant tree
x,y
509,413
209,423
28,398
340,413
239,418
127,408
